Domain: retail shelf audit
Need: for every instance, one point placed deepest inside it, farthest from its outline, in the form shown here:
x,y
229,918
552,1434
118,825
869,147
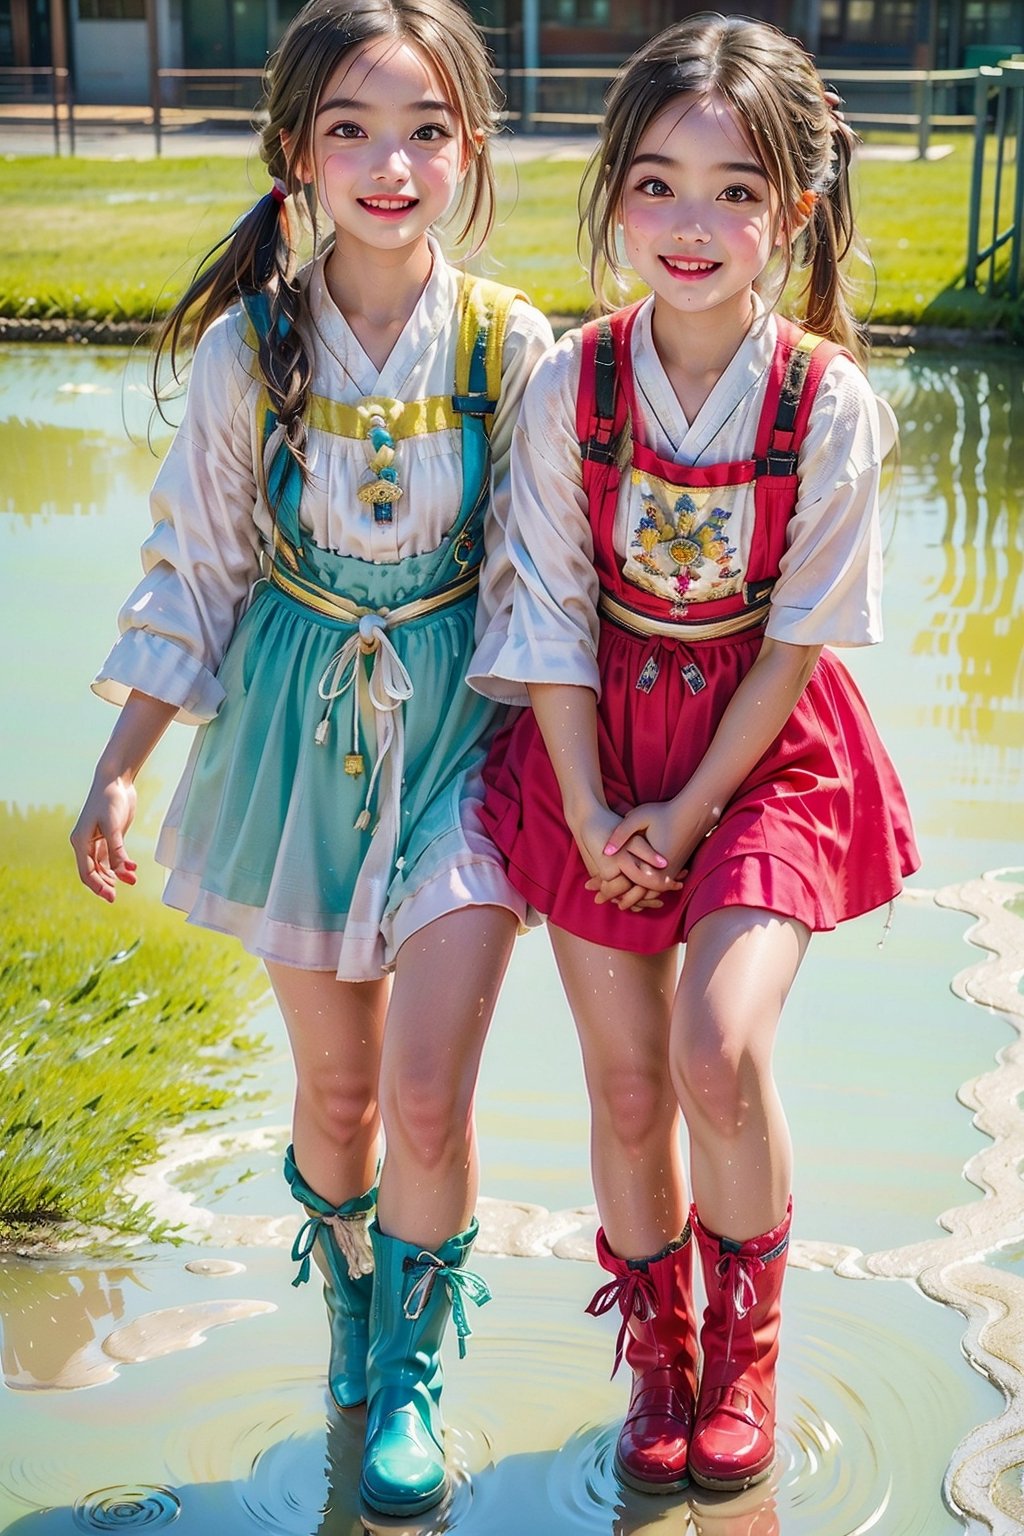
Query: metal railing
x,y
211,82
62,108
546,97
1001,87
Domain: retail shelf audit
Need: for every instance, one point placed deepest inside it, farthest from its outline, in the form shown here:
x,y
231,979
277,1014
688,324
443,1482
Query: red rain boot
x,y
656,1302
734,1438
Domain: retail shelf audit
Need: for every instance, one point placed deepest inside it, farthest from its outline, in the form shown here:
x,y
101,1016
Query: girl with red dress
x,y
694,519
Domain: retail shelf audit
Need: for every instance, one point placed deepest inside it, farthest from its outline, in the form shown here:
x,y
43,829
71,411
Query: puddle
x,y
183,1386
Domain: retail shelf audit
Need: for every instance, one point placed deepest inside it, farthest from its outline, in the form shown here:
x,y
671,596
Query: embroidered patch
x,y
680,546
649,676
693,676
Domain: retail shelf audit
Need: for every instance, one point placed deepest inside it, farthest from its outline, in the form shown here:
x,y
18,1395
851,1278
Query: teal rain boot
x,y
414,1292
335,1236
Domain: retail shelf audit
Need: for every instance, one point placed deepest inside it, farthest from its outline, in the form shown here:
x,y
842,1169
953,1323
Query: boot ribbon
x,y
635,1295
348,1224
736,1272
458,1283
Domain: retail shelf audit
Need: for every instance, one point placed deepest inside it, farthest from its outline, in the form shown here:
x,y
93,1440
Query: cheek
x,y
448,166
754,237
641,225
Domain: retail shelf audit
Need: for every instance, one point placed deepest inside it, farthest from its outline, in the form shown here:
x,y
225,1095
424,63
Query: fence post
x,y
982,81
153,63
56,112
925,106
531,62
69,102
1017,244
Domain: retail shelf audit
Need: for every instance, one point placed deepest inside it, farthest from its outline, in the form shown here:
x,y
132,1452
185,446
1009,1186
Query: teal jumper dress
x,y
332,806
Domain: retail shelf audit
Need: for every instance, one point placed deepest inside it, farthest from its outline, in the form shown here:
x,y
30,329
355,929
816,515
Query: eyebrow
x,y
353,104
737,167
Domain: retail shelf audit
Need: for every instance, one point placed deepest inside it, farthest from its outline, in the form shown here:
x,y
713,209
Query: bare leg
x,y
621,1003
335,1029
447,979
739,966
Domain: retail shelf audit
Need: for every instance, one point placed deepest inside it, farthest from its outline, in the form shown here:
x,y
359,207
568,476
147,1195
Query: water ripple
x,y
126,1509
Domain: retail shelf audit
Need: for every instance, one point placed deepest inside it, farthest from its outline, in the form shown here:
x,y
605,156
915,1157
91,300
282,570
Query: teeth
x,y
690,266
389,204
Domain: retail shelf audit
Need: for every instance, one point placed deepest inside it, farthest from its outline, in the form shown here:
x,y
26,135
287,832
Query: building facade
x,y
112,46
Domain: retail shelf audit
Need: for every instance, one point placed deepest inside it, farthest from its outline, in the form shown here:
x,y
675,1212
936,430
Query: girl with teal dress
x,y
314,584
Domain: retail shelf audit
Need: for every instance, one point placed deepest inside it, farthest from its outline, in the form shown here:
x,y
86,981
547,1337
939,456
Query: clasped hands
x,y
634,859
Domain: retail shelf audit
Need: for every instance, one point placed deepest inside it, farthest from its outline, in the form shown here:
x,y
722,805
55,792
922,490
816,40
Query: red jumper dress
x,y
819,830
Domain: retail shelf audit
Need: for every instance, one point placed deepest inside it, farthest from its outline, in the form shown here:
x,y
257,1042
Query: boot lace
x,y
349,1227
736,1274
461,1284
635,1295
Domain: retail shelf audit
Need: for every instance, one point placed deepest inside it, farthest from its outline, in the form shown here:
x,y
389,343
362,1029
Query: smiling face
x,y
388,148
698,213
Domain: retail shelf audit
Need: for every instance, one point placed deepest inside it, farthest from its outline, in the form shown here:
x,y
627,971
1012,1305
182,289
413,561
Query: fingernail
x,y
610,848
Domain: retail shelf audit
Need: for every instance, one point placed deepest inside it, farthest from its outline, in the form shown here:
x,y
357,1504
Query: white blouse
x,y
213,529
829,587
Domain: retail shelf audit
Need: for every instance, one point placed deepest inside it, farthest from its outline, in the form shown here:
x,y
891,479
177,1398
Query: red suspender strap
x,y
799,360
602,413
798,364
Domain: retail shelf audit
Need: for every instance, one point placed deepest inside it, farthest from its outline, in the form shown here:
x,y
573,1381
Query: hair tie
x,y
805,203
278,190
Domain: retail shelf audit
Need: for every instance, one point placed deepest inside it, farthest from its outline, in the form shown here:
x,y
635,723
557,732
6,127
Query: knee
x,y
427,1116
633,1107
342,1111
717,1080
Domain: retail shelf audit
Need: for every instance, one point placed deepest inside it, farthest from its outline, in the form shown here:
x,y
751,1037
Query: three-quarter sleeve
x,y
830,581
203,554
546,630
527,339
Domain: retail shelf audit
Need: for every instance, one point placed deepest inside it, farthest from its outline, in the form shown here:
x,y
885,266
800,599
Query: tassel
x,y
362,821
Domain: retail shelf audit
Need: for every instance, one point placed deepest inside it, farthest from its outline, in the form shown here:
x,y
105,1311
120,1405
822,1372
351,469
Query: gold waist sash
x,y
752,617
333,606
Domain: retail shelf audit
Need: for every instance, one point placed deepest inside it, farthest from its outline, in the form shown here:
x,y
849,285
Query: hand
x,y
98,837
674,826
631,874
624,892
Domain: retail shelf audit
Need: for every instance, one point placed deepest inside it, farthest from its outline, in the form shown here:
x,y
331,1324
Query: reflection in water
x,y
57,1333
82,468
972,469
52,1320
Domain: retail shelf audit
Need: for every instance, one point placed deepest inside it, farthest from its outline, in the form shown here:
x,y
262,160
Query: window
x,y
566,13
111,10
988,21
883,22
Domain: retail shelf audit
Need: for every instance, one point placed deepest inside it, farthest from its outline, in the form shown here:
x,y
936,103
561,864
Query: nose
x,y
689,226
390,164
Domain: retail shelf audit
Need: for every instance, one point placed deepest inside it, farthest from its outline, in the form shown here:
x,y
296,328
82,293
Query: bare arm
x,y
109,809
753,718
566,715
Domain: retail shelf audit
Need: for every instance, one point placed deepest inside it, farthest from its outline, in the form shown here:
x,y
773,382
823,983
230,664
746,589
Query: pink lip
x,y
689,277
390,215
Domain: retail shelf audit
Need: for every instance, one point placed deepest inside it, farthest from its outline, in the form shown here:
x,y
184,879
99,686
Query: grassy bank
x,y
115,1025
118,239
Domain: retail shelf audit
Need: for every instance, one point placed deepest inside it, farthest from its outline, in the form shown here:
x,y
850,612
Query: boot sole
x,y
641,1485
734,1484
405,1506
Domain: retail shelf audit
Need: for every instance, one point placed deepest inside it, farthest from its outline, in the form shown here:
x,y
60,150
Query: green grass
x,y
116,1024
119,239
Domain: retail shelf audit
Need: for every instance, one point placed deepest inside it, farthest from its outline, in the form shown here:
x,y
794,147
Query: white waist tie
x,y
387,688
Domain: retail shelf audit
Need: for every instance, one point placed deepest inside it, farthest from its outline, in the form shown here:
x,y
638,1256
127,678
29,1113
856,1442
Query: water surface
x,y
184,1385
